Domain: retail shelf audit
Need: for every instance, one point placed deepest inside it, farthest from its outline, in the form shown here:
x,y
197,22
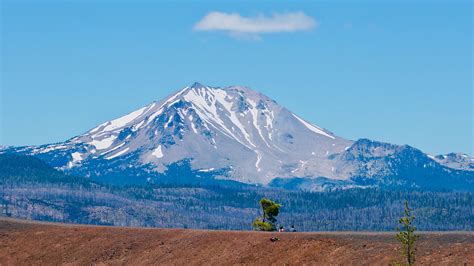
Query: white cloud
x,y
238,26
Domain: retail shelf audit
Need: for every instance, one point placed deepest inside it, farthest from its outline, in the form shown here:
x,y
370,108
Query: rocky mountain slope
x,y
239,134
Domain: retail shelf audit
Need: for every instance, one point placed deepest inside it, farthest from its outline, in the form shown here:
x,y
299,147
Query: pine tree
x,y
270,211
406,235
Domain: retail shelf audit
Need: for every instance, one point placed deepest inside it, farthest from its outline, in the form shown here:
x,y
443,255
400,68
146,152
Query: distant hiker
x,y
282,229
292,228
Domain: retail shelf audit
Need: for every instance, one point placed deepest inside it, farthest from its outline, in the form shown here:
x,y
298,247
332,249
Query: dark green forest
x,y
31,189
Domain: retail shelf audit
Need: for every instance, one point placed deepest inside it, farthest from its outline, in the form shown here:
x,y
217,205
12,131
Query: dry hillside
x,y
23,242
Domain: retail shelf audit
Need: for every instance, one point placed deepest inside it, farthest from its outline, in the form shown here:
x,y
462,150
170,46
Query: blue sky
x,y
398,71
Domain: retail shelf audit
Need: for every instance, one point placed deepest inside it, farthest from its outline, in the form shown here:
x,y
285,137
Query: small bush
x,y
262,226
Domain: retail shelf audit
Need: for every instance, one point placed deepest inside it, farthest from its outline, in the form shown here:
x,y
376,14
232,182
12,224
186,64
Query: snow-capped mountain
x,y
455,160
234,132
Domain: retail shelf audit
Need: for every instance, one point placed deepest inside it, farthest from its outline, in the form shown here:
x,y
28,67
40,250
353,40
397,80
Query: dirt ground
x,y
27,243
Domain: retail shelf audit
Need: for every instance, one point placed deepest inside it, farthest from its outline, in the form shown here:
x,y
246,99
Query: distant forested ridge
x,y
31,189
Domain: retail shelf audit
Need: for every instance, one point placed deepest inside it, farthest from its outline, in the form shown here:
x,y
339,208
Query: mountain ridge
x,y
236,132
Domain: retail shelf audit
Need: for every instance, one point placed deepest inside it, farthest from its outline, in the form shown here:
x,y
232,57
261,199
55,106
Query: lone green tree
x,y
406,235
267,222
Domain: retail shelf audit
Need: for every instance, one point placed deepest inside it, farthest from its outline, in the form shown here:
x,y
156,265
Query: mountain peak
x,y
231,127
239,133
197,85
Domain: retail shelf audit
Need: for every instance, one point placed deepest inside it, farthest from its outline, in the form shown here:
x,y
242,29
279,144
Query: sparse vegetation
x,y
30,243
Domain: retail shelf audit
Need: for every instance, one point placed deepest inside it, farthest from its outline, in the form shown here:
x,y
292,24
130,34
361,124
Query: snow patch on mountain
x,y
124,120
158,152
313,128
104,143
122,152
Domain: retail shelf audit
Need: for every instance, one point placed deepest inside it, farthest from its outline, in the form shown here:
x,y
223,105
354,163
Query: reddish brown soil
x,y
36,243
